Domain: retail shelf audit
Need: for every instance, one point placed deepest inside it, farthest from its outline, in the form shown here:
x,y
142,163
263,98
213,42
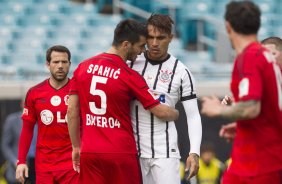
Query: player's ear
x,y
170,37
228,27
126,45
47,64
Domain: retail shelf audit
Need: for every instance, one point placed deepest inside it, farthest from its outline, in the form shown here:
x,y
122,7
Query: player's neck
x,y
118,52
58,84
242,41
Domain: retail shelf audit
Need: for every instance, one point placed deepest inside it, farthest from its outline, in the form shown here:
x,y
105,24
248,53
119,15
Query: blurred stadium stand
x,y
29,27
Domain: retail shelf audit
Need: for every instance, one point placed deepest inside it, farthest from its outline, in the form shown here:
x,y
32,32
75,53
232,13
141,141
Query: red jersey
x,y
47,107
105,86
257,146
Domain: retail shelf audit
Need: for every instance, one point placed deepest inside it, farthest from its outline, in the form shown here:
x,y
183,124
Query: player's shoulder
x,y
258,52
38,85
181,67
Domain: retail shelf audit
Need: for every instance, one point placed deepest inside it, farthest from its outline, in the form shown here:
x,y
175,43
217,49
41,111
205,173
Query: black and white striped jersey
x,y
170,81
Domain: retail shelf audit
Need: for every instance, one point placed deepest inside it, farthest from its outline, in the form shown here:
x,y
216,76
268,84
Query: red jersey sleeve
x,y
29,120
251,84
141,90
29,113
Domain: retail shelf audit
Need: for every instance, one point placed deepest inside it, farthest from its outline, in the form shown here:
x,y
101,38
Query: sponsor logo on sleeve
x,y
243,87
25,112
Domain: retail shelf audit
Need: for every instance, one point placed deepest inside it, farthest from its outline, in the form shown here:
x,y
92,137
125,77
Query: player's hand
x,y
192,165
211,106
227,100
21,172
76,159
228,132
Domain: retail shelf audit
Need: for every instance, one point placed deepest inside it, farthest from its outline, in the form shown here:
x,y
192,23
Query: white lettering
x,y
90,67
103,71
102,122
59,119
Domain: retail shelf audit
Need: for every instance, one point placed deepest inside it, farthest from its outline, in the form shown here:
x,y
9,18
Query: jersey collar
x,y
155,62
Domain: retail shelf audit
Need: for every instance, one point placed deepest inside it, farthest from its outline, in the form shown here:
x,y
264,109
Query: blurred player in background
x,y
256,86
274,45
9,145
102,89
170,81
211,168
46,104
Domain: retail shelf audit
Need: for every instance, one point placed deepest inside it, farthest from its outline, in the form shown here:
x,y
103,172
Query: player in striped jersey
x,y
46,104
170,82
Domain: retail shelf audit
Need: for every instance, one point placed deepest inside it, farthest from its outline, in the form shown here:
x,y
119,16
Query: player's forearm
x,y
73,121
25,141
194,125
165,112
241,110
73,126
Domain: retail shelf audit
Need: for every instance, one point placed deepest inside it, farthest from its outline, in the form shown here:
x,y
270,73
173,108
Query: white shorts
x,y
160,170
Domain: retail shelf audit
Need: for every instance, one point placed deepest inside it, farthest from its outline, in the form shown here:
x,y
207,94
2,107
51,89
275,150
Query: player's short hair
x,y
243,16
57,48
162,22
273,40
129,30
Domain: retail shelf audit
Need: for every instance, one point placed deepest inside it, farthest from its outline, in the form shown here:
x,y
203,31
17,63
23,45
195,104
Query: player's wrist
x,y
194,154
20,162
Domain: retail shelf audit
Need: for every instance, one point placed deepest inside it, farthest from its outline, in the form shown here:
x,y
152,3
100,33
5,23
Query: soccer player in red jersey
x,y
257,90
101,92
46,104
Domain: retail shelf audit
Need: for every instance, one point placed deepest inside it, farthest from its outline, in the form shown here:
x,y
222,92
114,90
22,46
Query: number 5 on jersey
x,y
100,93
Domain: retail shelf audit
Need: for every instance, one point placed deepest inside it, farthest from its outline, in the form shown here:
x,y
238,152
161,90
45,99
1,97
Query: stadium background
x,y
29,27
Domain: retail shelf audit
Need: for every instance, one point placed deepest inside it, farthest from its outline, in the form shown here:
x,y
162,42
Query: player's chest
x,y
162,78
52,107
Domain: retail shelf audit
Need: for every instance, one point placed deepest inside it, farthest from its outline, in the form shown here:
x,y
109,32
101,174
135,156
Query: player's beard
x,y
131,56
60,77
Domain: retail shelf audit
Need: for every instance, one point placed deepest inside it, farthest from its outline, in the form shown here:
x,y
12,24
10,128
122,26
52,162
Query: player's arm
x,y
195,135
24,144
165,112
74,129
243,110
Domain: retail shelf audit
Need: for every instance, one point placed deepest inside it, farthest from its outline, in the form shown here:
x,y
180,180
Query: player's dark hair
x,y
243,16
129,30
161,22
273,40
57,48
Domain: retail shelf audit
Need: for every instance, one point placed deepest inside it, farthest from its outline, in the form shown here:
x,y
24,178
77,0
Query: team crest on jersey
x,y
165,75
56,100
46,117
66,99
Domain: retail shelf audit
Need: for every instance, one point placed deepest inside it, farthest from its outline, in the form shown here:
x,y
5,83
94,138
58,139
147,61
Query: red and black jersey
x,y
258,144
105,86
47,107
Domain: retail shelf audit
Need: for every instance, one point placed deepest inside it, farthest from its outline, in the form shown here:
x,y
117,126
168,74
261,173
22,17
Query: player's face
x,y
59,65
276,53
136,49
157,43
